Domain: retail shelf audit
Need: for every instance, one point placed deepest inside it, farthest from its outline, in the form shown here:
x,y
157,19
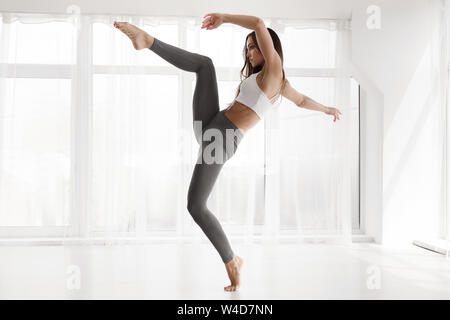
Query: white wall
x,y
397,60
387,62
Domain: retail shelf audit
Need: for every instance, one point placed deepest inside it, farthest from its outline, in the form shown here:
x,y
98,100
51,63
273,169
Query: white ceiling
x,y
306,9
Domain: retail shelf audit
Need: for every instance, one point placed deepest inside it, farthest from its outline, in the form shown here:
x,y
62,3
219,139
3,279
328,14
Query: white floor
x,y
195,271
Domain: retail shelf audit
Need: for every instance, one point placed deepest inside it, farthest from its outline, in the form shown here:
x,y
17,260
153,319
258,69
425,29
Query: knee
x,y
206,62
195,208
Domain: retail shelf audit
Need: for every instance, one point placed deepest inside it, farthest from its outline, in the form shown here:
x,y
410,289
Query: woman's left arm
x,y
271,57
309,103
306,102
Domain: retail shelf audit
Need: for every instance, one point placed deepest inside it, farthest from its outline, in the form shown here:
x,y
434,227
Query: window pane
x,y
113,47
35,171
223,45
307,168
308,48
135,151
48,43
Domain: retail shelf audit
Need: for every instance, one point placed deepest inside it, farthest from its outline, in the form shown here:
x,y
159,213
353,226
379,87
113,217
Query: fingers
x,y
207,18
207,23
211,21
336,114
209,26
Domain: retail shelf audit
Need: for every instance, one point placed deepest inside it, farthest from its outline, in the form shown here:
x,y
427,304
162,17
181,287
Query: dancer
x,y
264,77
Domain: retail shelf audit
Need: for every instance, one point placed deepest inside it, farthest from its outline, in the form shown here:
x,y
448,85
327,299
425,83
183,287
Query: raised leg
x,y
206,98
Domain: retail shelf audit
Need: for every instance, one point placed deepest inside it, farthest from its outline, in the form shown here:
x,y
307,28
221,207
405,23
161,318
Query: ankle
x,y
232,262
150,41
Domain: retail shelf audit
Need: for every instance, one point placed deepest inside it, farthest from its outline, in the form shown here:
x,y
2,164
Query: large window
x,y
124,99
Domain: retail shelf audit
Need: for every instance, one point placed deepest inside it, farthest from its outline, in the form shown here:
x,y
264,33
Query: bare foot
x,y
140,38
234,273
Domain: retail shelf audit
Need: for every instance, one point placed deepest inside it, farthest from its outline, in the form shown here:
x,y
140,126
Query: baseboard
x,y
436,245
55,241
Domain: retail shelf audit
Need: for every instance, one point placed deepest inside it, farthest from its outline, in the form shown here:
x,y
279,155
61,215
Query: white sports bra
x,y
253,97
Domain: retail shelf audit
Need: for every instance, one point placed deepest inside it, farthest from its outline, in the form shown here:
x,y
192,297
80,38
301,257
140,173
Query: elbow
x,y
259,23
301,102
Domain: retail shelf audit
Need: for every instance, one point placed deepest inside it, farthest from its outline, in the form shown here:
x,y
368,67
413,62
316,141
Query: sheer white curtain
x,y
120,150
312,181
36,52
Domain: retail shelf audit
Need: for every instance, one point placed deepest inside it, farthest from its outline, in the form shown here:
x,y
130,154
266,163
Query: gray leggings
x,y
205,108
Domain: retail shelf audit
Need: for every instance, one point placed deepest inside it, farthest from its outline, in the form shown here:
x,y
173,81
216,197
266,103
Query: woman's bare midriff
x,y
242,116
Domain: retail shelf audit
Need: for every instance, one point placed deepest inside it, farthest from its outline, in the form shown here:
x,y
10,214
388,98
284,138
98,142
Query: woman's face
x,y
254,55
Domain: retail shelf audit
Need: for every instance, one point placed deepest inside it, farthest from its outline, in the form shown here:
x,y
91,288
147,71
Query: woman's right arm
x,y
214,20
249,22
265,43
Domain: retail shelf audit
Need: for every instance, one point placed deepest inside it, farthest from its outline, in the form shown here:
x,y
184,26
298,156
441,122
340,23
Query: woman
x,y
264,78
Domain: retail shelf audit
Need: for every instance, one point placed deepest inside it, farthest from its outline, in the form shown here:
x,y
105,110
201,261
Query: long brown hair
x,y
247,70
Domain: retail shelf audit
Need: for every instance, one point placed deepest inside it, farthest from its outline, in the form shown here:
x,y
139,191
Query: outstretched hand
x,y
212,20
333,112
